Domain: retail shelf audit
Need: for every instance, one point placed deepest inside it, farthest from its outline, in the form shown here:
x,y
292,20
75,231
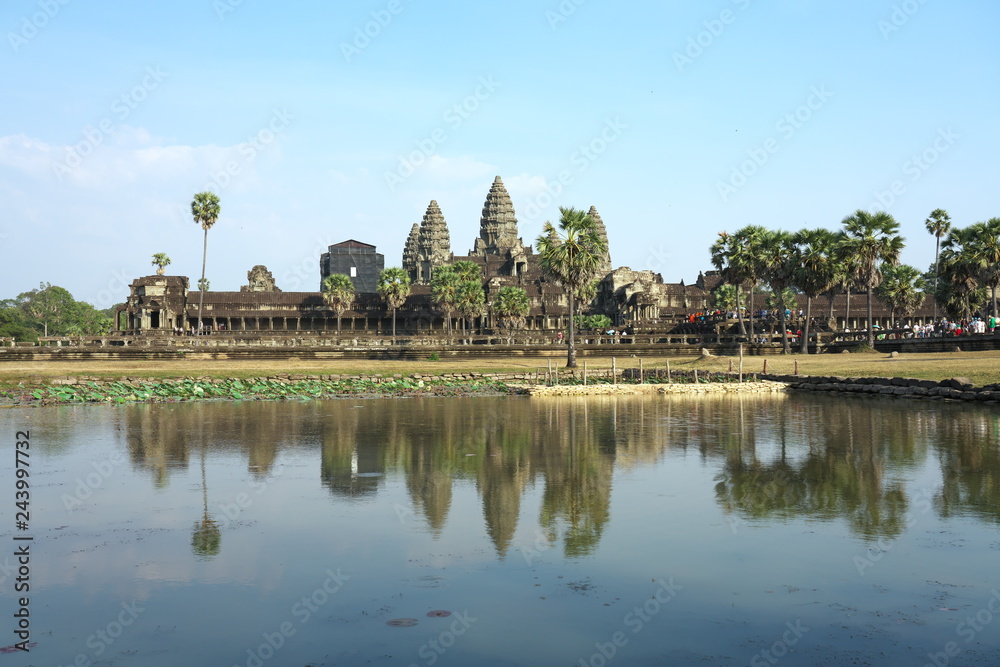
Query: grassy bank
x,y
980,367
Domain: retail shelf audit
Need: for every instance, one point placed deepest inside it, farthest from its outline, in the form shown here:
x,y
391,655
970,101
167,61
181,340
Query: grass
x,y
980,367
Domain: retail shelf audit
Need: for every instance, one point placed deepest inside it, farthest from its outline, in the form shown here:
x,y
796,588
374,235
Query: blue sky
x,y
318,122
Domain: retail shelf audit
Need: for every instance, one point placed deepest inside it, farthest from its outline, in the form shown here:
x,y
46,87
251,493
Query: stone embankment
x,y
764,387
958,388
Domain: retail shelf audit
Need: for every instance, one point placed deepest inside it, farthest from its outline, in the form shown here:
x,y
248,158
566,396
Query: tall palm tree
x,y
938,225
572,258
444,292
512,306
205,209
960,267
722,252
987,255
815,273
338,293
873,239
160,261
901,289
747,259
394,286
471,302
779,259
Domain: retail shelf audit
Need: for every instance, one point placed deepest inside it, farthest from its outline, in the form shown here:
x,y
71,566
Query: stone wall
x,y
951,389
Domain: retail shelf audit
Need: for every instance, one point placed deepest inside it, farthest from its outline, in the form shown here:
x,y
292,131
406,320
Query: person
x,y
559,337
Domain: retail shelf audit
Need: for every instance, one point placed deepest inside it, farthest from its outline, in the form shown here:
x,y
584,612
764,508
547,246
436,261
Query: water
x,y
635,530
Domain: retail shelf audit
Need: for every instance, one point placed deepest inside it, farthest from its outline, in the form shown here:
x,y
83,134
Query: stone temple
x,y
164,303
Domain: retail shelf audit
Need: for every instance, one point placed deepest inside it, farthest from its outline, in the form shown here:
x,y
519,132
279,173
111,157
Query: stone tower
x,y
602,231
433,245
498,225
410,252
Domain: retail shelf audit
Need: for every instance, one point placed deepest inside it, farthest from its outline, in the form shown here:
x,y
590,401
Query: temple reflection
x,y
781,457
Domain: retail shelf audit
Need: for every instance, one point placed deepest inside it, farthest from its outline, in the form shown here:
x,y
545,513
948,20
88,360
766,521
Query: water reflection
x,y
776,457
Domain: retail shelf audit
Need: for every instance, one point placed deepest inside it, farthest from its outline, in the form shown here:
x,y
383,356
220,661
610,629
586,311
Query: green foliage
x,y
434,357
204,285
51,310
338,293
599,322
160,260
511,306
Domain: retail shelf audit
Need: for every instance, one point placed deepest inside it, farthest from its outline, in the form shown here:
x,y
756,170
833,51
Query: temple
x,y
165,303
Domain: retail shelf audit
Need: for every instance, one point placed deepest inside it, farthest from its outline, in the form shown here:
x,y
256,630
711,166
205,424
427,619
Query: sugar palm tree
x,y
205,209
512,306
572,258
901,289
986,253
779,258
470,301
815,273
160,261
873,239
938,225
960,267
444,292
394,287
722,253
338,293
747,259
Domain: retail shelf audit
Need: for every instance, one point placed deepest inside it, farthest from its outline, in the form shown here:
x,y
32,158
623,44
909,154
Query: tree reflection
x,y
206,542
969,452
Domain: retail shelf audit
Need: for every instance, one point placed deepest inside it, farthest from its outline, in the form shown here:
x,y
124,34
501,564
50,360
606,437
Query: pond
x,y
728,530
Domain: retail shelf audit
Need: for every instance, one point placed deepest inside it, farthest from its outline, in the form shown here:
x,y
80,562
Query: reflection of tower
x,y
352,462
157,440
501,488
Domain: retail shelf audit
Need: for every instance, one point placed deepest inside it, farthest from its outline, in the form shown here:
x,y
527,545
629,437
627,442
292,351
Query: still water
x,y
509,531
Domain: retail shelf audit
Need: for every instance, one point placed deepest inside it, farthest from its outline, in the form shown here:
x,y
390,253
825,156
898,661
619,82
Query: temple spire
x,y
498,224
433,243
603,233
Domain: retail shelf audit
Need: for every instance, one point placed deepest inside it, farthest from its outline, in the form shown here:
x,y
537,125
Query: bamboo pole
x,y
549,375
640,370
614,372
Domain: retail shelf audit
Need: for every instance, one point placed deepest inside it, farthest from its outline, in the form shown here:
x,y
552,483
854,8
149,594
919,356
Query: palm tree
x,y
444,292
873,240
204,284
512,306
938,225
987,255
572,259
205,209
746,258
338,293
722,253
962,267
394,287
468,270
206,539
815,273
901,289
779,259
160,261
471,301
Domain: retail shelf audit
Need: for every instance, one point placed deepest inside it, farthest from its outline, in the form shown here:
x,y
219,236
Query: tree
x,y
511,306
470,301
203,285
938,225
873,240
338,293
779,261
572,259
737,257
986,255
160,261
815,273
901,289
394,287
444,292
727,297
960,268
205,210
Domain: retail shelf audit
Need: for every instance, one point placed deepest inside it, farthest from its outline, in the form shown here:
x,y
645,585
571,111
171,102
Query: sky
x,y
318,122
